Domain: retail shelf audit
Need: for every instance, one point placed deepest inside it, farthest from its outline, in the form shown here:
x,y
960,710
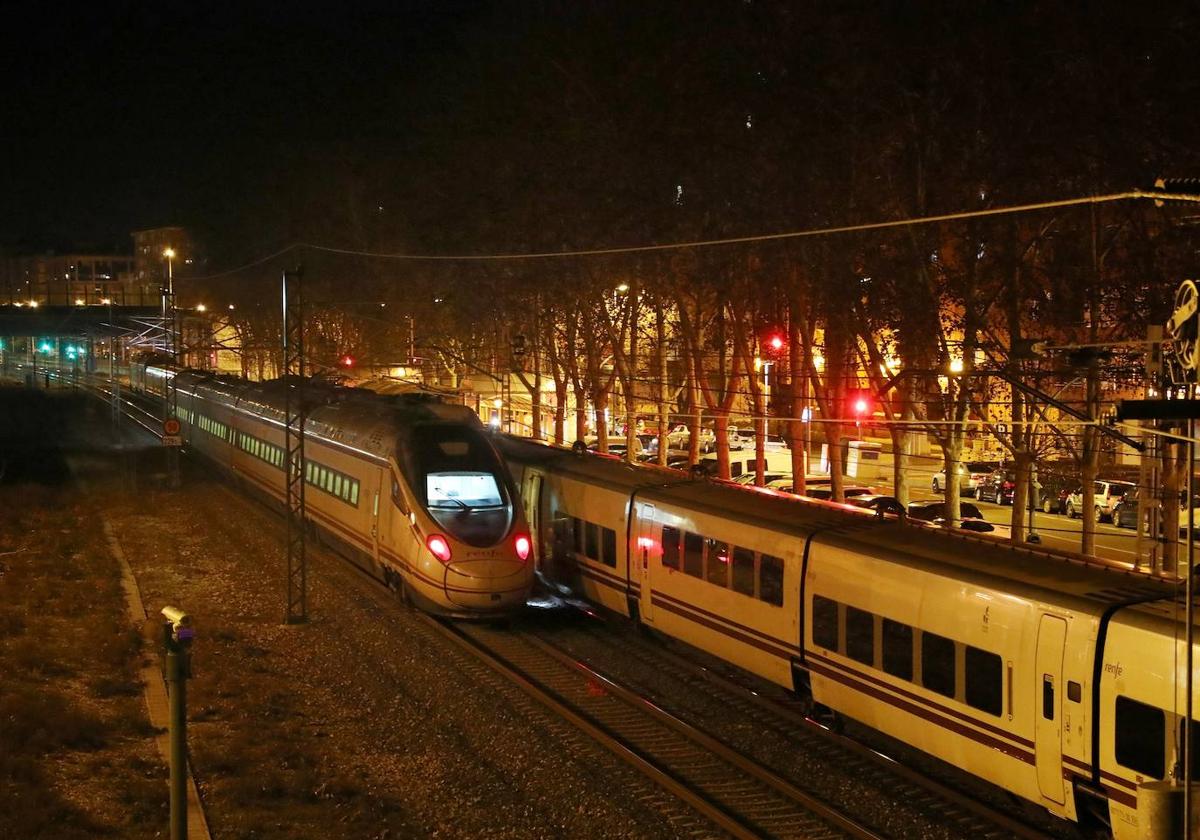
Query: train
x,y
409,488
1051,677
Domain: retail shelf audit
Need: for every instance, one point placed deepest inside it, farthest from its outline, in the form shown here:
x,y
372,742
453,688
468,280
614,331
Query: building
x,y
71,279
149,260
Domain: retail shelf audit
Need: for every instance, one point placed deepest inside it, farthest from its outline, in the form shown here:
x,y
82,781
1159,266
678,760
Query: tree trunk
x,y
721,432
1023,470
797,426
660,367
953,457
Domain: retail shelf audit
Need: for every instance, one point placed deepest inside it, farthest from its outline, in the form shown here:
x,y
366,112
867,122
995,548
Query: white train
x,y
1054,679
411,489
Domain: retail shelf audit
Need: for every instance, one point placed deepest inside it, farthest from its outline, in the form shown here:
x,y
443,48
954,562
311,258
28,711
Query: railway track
x,y
735,793
730,789
965,815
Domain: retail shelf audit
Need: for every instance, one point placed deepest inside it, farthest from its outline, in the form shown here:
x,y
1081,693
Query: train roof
x,y
356,417
1094,579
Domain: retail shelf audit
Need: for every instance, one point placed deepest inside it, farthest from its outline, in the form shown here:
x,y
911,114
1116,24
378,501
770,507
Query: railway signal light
x,y
774,343
861,405
347,361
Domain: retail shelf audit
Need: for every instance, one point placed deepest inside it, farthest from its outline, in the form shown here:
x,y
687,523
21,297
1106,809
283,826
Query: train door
x,y
645,541
375,517
1051,639
531,497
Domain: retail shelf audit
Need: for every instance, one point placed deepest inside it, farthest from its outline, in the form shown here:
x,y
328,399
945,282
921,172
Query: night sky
x,y
121,115
445,124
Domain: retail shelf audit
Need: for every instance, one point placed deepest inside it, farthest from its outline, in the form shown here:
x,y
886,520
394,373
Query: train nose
x,y
488,583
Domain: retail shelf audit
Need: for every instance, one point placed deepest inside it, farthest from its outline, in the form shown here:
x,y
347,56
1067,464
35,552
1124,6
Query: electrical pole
x,y
293,445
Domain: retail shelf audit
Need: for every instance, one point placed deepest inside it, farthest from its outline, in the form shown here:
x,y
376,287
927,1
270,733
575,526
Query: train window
x,y
577,531
897,649
397,499
824,623
735,469
937,663
860,635
337,485
1195,733
985,681
1140,739
770,584
718,563
354,493
609,546
743,571
670,547
1074,691
592,542
693,554
1048,696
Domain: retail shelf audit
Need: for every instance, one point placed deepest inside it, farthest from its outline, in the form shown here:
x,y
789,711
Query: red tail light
x,y
438,547
522,545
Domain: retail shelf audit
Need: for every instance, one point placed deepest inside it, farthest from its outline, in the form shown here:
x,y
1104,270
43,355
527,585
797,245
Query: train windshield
x,y
462,482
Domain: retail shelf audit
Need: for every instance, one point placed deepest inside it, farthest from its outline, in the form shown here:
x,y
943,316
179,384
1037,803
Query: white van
x,y
742,462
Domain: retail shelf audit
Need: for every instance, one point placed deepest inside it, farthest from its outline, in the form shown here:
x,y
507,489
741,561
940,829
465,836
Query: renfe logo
x,y
1114,668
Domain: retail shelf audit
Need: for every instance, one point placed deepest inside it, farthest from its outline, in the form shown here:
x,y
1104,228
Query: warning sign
x,y
171,427
172,440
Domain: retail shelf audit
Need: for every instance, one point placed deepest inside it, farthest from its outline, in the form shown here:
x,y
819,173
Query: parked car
x,y
680,436
883,505
748,478
616,445
1125,513
849,491
970,473
1108,493
1057,486
785,485
746,439
998,487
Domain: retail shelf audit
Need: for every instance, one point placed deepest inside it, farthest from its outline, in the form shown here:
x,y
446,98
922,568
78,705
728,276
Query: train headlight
x,y
438,547
522,545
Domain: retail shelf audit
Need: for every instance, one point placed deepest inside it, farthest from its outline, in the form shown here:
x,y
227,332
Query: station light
x,y
106,301
80,302
33,304
200,307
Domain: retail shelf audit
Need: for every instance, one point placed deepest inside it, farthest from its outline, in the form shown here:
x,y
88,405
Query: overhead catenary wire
x,y
960,215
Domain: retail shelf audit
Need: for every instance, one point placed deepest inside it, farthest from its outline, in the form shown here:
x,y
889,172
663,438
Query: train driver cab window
x,y
1195,732
718,563
743,571
1140,739
670,547
825,623
693,554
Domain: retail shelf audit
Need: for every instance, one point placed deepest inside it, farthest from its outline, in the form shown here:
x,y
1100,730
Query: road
x,y
1058,531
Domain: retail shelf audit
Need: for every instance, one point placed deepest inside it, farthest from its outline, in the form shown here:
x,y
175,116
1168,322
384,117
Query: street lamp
x,y
200,307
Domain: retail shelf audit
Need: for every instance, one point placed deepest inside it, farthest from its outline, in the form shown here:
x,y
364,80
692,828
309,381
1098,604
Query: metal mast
x,y
293,445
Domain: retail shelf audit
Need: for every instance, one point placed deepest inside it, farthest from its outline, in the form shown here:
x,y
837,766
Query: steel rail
x,y
653,768
1002,822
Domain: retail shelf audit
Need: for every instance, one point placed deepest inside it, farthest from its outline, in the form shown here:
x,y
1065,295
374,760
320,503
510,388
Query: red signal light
x,y
348,361
522,545
776,343
438,547
861,406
